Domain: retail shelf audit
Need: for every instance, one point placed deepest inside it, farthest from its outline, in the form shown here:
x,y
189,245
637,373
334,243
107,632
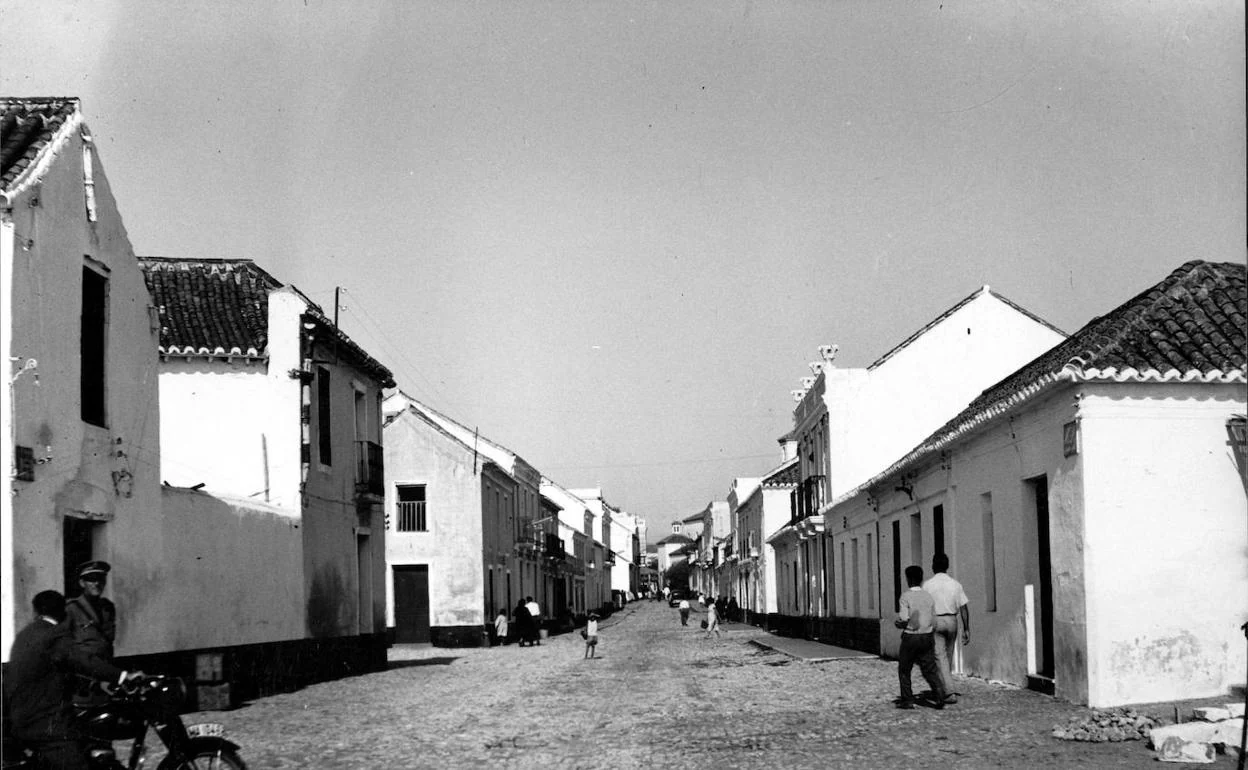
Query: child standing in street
x,y
591,636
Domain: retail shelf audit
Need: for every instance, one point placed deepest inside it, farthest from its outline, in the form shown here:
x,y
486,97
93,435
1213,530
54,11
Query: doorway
x,y
1042,641
411,604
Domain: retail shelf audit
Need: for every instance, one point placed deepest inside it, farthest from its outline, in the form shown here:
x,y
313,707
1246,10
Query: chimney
x,y
788,447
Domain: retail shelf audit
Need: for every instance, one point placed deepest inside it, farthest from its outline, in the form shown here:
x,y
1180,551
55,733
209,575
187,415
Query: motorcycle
x,y
131,709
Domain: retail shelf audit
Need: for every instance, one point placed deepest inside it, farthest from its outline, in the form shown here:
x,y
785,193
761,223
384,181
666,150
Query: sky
x,y
611,236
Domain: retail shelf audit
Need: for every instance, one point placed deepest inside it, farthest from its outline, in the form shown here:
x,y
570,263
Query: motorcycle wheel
x,y
207,759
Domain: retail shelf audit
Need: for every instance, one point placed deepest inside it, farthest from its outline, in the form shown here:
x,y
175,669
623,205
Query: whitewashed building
x,y
466,536
271,454
1092,503
850,423
764,509
78,334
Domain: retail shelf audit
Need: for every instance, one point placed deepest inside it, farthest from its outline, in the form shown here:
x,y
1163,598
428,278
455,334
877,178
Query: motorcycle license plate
x,y
206,730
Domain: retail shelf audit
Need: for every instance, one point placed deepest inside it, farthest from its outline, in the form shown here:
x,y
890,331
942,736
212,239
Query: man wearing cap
x,y
92,617
39,682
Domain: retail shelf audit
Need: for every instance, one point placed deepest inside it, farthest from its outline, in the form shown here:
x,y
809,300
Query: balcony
x,y
806,500
370,477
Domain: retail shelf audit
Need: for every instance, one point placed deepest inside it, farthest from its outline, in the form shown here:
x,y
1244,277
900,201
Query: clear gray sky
x,y
612,235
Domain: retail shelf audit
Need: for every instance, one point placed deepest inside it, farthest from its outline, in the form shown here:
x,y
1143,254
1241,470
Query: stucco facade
x,y
850,423
94,477
1092,504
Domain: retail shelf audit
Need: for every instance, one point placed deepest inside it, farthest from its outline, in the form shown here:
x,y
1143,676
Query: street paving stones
x,y
659,695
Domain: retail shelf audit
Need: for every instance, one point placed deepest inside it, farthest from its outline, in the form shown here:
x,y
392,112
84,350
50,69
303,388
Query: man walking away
x,y
535,612
684,612
950,602
914,618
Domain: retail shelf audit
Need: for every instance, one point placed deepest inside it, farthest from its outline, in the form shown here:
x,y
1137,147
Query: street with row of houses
x,y
635,386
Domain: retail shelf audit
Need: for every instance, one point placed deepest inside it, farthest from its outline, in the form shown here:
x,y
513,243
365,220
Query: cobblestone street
x,y
660,695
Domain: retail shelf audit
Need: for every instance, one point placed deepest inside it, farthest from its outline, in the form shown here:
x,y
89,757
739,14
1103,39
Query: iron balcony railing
x,y
370,474
806,500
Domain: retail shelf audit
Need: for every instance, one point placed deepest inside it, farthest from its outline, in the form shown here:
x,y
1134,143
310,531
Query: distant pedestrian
x,y
734,611
950,600
591,636
535,612
914,618
684,612
667,593
524,623
712,620
500,626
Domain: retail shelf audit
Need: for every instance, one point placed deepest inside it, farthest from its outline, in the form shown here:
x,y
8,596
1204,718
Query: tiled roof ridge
x,y
773,478
421,406
27,150
1068,361
1135,314
981,291
238,267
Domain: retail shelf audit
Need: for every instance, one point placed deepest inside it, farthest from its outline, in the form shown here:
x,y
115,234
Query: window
x,y
990,552
411,506
870,572
916,539
324,437
857,585
844,581
94,334
896,564
938,529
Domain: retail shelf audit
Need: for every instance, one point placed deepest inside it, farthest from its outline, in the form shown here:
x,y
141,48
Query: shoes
x,y
951,699
938,705
905,704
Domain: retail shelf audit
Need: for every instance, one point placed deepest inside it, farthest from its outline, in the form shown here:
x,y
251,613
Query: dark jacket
x,y
39,683
94,625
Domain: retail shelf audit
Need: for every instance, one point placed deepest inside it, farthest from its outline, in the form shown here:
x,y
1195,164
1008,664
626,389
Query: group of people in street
x,y
524,627
928,616
57,661
716,610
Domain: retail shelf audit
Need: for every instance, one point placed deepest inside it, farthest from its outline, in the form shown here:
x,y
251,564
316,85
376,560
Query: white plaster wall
x,y
999,460
201,591
877,415
855,521
1167,542
42,307
417,453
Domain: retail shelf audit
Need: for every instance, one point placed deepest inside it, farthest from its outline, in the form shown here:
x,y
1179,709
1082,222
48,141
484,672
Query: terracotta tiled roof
x,y
675,538
219,308
1190,327
27,128
787,475
210,307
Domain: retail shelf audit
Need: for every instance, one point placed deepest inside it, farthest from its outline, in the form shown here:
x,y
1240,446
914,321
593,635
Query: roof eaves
x,y
35,170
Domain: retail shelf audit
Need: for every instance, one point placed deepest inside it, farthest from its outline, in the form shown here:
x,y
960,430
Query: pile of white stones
x,y
1106,725
1213,730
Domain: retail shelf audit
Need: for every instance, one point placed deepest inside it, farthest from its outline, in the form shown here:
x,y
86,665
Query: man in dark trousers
x,y
39,684
92,617
915,619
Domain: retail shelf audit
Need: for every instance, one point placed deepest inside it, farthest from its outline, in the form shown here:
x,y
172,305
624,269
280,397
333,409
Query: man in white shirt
x,y
535,610
950,601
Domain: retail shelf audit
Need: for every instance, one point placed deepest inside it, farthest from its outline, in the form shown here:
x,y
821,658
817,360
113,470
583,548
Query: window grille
x,y
412,516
